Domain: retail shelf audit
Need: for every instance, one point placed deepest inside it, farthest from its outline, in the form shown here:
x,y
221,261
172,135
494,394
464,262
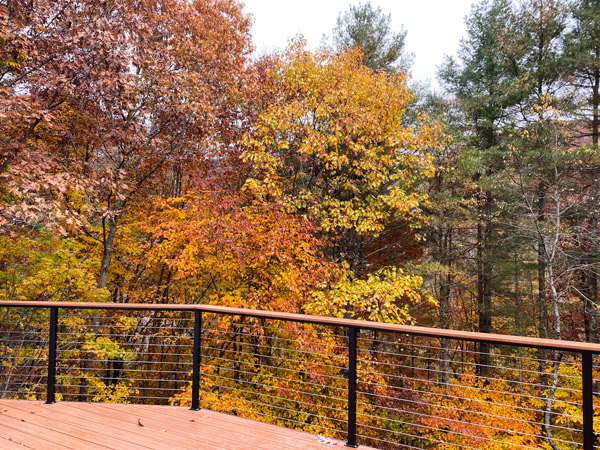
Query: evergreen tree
x,y
370,29
583,59
483,88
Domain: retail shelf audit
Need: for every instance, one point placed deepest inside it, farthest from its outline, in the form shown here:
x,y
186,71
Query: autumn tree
x,y
107,97
332,146
222,248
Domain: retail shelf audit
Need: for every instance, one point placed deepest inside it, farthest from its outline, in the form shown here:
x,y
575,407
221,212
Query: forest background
x,y
146,156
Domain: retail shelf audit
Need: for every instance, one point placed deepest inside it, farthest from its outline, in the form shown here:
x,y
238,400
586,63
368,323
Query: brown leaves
x,y
106,96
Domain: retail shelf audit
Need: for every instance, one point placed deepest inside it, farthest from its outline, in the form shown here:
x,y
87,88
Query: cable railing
x,y
383,385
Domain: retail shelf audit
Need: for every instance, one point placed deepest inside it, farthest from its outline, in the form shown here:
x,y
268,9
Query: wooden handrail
x,y
499,339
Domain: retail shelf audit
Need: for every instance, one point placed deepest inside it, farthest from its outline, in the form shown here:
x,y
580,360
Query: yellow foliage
x,y
333,142
385,296
47,268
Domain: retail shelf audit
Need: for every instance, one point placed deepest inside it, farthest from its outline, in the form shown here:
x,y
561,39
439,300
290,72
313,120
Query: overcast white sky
x,y
434,26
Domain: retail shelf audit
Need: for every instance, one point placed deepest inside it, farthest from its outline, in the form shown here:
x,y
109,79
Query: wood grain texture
x,y
100,426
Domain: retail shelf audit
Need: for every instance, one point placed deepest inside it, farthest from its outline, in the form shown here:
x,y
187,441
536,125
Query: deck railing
x,y
383,385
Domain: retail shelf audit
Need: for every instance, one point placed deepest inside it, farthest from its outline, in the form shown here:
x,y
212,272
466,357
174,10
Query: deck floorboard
x,y
101,426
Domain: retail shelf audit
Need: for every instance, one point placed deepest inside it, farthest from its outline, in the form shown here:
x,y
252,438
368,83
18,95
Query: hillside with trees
x,y
148,156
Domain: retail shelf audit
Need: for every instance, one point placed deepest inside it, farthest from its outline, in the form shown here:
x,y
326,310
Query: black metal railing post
x,y
352,334
51,380
587,375
196,361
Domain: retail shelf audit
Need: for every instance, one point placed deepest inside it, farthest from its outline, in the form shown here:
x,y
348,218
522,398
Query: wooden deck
x,y
101,426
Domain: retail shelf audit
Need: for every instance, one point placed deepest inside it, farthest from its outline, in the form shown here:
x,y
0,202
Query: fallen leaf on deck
x,y
326,440
140,423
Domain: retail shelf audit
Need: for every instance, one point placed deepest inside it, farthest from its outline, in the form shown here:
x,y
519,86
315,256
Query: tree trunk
x,y
592,301
444,323
484,277
444,301
517,295
542,300
596,104
108,241
591,293
541,264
